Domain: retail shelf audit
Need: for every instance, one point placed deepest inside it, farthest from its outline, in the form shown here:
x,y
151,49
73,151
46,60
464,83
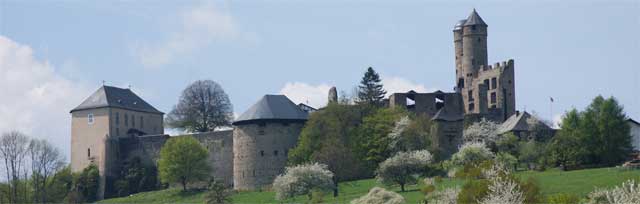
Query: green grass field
x,y
579,182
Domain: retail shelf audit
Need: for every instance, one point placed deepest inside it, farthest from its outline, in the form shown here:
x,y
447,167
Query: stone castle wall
x,y
261,151
218,143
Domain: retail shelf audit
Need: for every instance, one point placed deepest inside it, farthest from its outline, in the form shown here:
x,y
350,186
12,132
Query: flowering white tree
x,y
628,192
302,180
396,134
501,189
446,196
402,168
379,195
483,131
471,153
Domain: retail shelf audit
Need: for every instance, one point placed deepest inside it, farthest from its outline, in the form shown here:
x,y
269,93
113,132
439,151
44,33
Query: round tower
x,y
457,42
262,139
474,44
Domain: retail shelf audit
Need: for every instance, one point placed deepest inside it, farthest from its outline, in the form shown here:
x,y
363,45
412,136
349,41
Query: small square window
x,y
90,118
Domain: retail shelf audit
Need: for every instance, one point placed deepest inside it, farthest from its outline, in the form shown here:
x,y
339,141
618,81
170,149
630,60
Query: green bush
x,y
85,185
473,190
563,198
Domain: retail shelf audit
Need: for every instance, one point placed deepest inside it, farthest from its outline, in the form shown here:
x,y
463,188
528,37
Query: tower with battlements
x,y
487,90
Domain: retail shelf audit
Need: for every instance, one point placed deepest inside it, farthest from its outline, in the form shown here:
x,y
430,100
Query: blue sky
x,y
53,54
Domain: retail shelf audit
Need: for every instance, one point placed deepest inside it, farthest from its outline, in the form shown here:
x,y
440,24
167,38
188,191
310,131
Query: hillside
x,y
579,182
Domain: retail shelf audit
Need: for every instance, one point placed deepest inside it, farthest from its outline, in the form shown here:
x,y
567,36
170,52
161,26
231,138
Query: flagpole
x,y
551,110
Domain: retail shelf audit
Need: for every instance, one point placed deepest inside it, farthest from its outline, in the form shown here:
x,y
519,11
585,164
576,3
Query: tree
x,y
565,151
611,131
13,149
484,131
85,185
507,160
602,133
61,185
379,195
530,152
303,180
471,154
45,161
410,133
203,107
330,131
183,160
402,168
627,192
217,194
340,160
508,143
373,135
135,177
370,90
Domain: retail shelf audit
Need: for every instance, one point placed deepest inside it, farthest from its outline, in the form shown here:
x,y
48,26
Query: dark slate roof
x,y
448,115
114,97
474,19
273,107
518,122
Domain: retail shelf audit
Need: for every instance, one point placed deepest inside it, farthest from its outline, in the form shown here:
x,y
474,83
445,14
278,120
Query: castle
x,y
114,125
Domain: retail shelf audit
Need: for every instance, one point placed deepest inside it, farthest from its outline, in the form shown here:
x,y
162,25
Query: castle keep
x,y
114,125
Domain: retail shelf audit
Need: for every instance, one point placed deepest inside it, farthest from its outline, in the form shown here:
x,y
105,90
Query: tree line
x,y
36,172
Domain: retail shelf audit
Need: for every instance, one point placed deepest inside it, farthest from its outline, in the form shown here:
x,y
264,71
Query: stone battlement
x,y
497,65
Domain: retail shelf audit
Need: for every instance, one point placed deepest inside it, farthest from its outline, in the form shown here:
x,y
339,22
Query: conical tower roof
x,y
272,107
474,19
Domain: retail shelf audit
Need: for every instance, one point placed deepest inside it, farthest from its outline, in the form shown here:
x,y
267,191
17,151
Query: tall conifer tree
x,y
370,90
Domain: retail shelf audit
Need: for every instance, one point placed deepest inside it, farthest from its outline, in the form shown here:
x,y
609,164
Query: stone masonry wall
x,y
218,143
261,151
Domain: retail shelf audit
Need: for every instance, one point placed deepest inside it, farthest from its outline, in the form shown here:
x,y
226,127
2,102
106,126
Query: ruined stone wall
x,y
500,85
261,151
426,103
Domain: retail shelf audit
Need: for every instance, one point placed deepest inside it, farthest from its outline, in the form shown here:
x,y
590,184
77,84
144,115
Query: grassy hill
x,y
579,182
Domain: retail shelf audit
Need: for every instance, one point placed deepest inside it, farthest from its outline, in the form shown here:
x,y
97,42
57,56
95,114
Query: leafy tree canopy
x,y
203,107
183,160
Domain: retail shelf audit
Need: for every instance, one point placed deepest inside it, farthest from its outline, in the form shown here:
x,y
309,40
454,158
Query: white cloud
x,y
400,85
199,27
314,95
34,98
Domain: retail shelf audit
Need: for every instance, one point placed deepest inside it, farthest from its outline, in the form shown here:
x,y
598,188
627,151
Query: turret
x,y
457,41
474,43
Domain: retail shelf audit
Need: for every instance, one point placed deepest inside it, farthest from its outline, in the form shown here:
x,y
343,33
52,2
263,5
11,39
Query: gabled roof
x,y
474,19
113,97
518,122
272,107
448,115
633,121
